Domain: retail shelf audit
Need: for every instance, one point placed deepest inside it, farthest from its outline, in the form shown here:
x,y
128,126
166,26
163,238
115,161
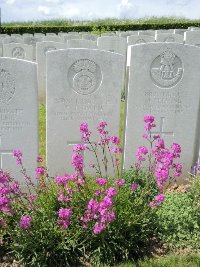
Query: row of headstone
x,y
84,85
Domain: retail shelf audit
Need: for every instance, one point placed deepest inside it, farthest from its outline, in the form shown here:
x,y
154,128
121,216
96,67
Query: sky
x,y
26,10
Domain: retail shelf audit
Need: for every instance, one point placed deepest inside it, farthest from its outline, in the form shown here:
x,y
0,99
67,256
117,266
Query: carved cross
x,y
162,131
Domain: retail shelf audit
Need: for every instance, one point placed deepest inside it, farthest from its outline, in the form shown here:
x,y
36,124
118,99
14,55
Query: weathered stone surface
x,y
139,39
41,49
169,37
192,37
163,81
19,51
83,85
12,39
79,43
112,44
18,115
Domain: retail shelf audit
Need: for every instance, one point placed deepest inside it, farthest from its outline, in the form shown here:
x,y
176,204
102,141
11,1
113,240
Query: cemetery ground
x,y
179,242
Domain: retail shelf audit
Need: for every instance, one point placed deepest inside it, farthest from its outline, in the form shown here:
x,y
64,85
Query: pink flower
x,y
64,215
148,118
160,198
18,155
142,150
111,192
79,147
115,140
40,171
120,182
101,181
25,222
134,186
39,159
98,228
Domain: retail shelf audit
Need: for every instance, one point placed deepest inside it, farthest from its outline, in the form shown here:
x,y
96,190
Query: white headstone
x,y
12,39
41,49
87,36
192,37
18,115
169,38
82,86
180,31
163,82
52,38
140,39
79,43
71,36
32,41
147,32
113,44
20,51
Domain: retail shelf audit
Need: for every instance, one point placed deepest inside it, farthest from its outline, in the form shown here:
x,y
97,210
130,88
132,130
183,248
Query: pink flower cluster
x,y
25,222
101,213
8,188
64,215
18,155
162,160
158,200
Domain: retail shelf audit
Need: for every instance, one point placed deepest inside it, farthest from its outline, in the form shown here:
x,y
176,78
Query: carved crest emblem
x,y
18,52
85,76
166,70
140,41
7,86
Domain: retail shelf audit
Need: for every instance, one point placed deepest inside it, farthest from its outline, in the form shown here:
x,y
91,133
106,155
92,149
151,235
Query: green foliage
x,y
195,190
179,221
103,22
129,237
46,244
97,27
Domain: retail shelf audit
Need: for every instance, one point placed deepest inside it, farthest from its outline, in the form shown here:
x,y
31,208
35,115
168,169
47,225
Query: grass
x,y
166,261
99,22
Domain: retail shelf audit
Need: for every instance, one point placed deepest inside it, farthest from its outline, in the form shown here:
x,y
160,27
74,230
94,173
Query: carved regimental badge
x,y
18,52
85,76
140,41
166,70
7,86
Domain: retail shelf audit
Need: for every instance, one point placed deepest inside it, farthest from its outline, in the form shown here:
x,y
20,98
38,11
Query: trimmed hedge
x,y
119,27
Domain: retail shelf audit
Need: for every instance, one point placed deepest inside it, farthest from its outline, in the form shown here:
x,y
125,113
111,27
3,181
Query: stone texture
x,y
79,43
18,115
139,39
192,38
83,86
32,41
87,36
169,37
41,49
147,32
112,44
163,81
20,51
12,39
71,36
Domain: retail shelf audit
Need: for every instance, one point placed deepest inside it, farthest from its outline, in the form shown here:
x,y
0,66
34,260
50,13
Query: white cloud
x,y
127,9
10,2
44,10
